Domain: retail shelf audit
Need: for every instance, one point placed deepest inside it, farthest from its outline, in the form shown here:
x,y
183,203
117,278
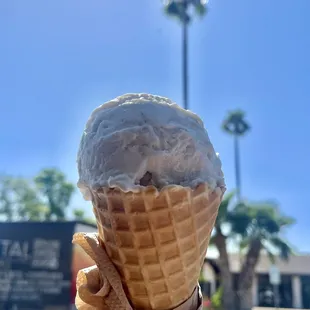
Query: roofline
x,y
86,223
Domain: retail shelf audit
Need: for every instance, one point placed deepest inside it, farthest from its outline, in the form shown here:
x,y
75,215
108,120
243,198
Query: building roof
x,y
297,264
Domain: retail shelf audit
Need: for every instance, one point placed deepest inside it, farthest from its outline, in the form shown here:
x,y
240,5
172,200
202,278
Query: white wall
x,y
298,264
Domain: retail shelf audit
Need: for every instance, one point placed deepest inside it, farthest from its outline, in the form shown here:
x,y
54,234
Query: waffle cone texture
x,y
157,240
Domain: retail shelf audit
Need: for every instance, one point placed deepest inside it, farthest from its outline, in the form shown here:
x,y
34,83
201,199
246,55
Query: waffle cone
x,y
157,239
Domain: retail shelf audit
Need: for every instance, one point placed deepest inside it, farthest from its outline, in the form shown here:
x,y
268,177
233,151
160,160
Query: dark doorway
x,y
266,291
305,284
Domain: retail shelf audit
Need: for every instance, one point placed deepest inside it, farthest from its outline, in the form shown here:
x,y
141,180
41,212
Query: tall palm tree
x,y
236,125
259,226
180,10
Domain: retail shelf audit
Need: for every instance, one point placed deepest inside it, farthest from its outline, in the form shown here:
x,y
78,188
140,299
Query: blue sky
x,y
60,59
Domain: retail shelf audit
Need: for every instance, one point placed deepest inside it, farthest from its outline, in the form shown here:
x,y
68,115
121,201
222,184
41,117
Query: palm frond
x,y
285,221
201,9
267,223
181,9
235,123
171,8
177,10
269,250
239,222
269,217
271,257
282,246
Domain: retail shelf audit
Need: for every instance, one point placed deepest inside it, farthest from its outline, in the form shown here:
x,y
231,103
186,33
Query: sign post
x,y
275,280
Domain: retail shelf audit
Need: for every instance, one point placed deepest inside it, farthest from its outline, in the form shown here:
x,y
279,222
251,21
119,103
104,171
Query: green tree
x,y
79,215
56,192
6,198
28,205
180,9
216,299
19,200
259,226
236,125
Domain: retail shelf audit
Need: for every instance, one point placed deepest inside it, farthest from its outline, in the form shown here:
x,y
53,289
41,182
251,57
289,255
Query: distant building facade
x,y
294,290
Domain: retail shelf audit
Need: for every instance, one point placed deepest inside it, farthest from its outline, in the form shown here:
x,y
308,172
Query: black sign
x,y
35,265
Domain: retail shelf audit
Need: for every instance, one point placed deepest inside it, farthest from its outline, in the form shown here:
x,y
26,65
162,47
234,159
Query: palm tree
x,y
236,126
180,10
259,226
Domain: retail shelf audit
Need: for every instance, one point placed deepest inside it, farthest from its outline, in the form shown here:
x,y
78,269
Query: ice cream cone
x,y
156,183
157,239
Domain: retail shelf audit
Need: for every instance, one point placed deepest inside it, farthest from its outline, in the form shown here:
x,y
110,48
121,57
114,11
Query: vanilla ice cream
x,y
141,139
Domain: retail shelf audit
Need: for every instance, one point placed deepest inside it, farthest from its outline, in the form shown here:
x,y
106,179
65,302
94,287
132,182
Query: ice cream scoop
x,y
140,139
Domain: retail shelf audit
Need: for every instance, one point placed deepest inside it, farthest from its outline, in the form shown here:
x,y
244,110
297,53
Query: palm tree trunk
x,y
245,299
185,59
237,167
225,274
247,275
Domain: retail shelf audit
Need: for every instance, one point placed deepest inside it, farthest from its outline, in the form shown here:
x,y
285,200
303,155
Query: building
x,y
294,289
